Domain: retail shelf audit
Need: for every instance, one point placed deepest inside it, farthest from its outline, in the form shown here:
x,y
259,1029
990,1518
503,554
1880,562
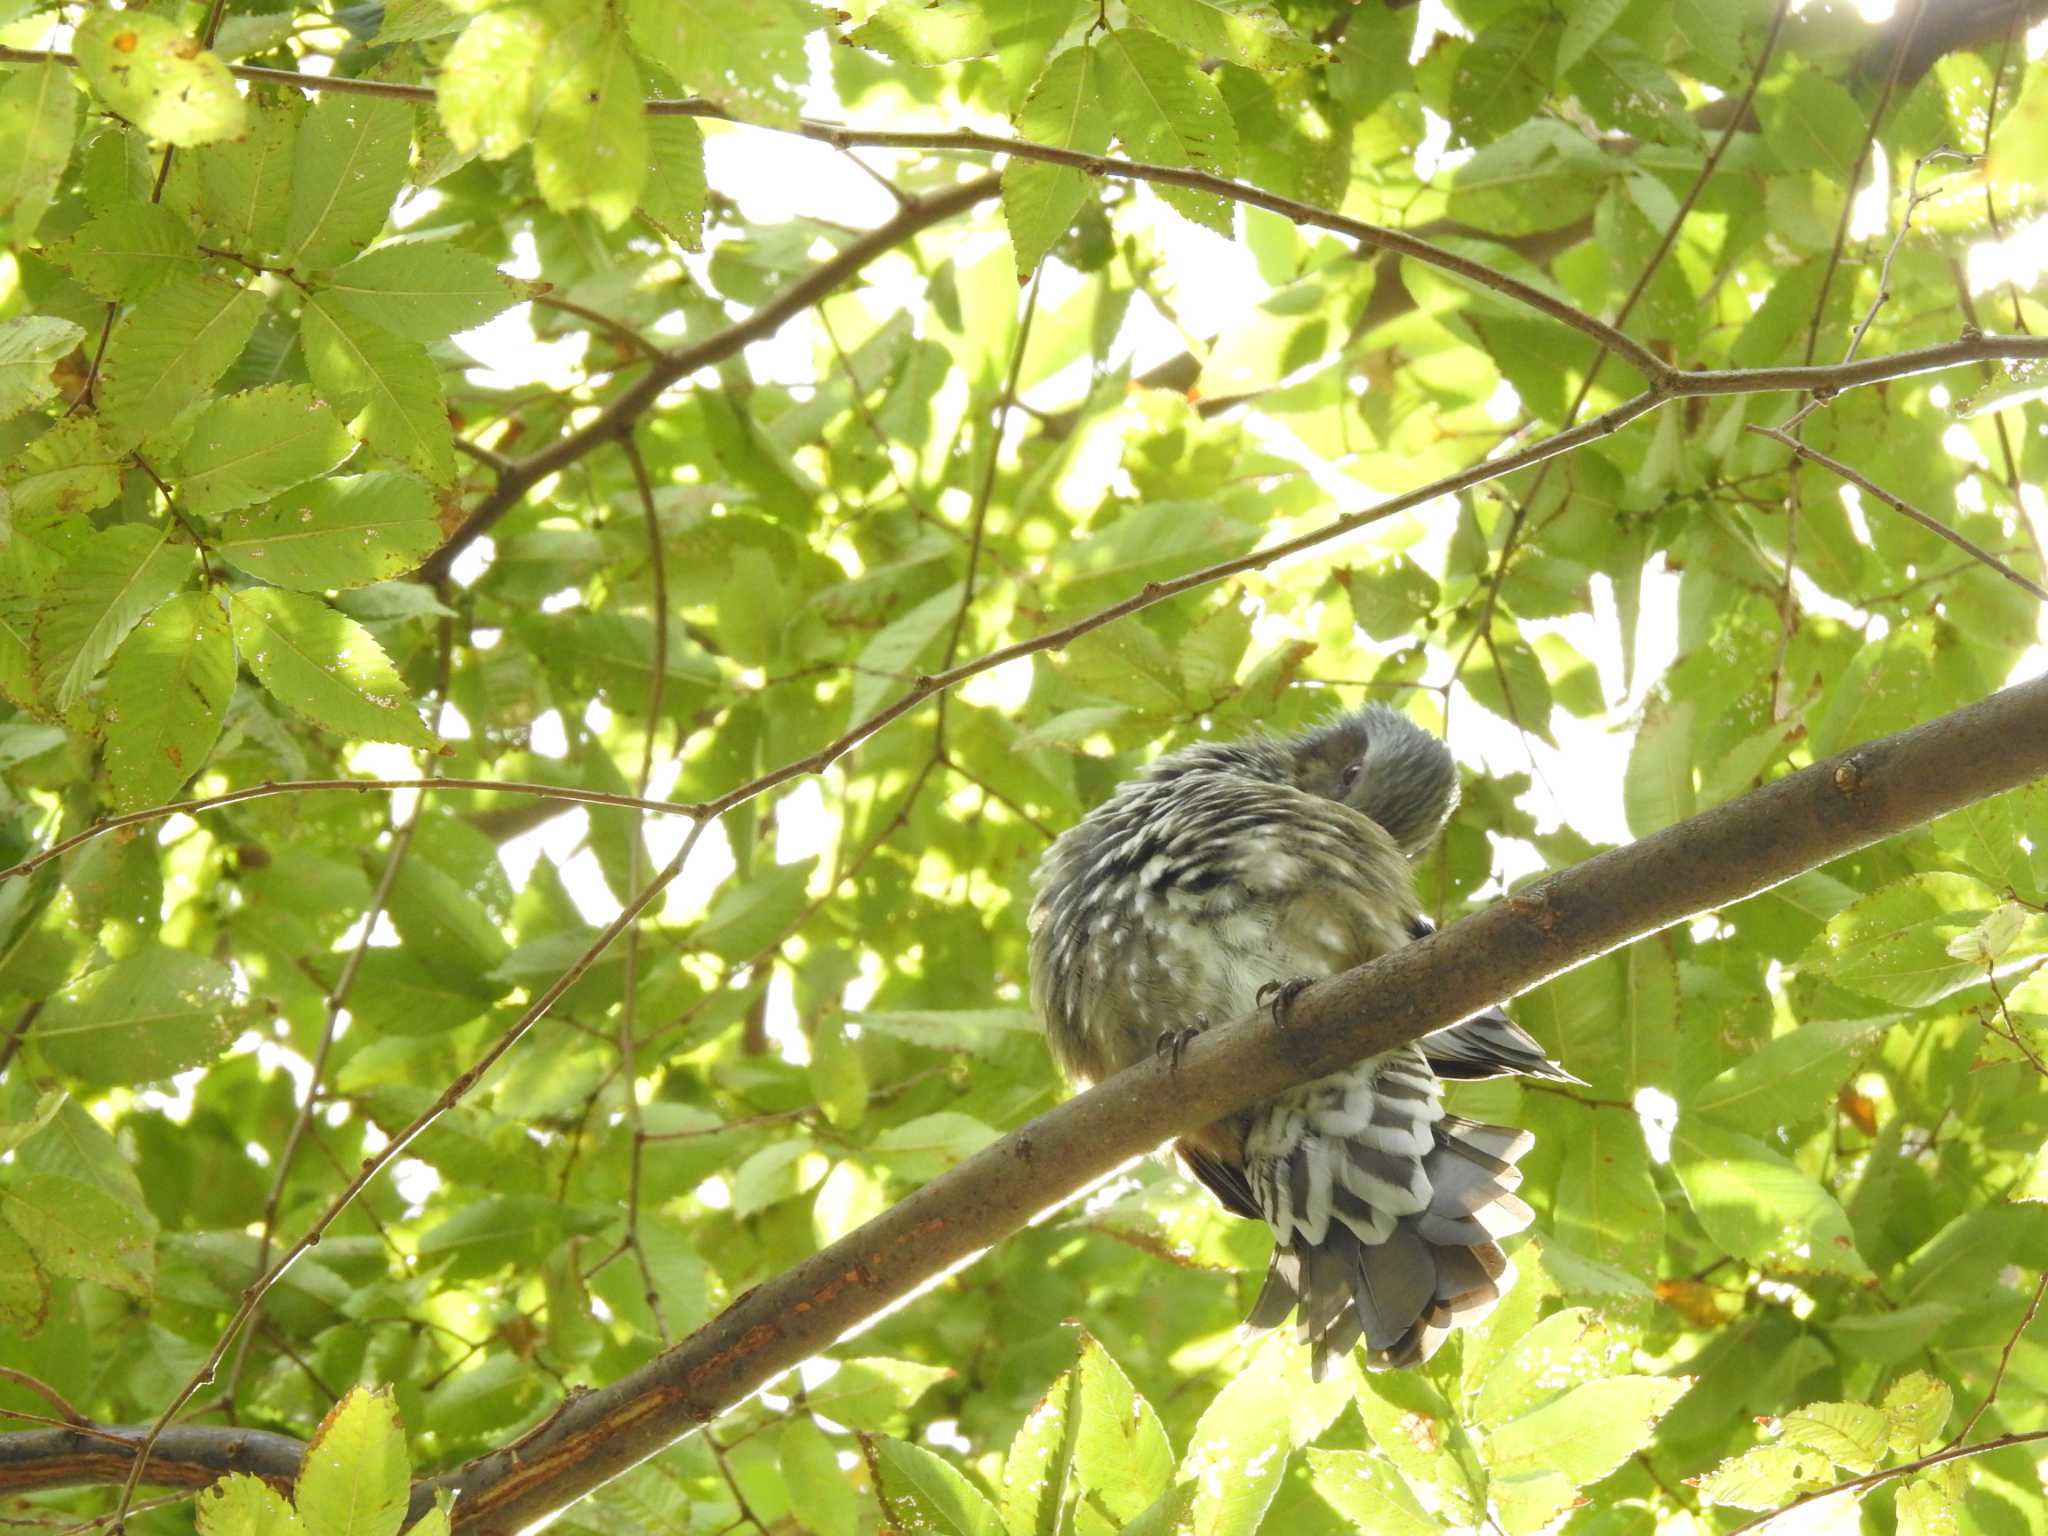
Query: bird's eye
x,y
1350,774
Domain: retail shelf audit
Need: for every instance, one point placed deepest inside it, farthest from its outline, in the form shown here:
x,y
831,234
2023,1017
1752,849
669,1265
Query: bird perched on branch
x,y
1232,872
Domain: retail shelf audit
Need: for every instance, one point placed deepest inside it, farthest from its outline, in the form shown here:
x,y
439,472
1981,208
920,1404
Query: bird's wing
x,y
1488,1044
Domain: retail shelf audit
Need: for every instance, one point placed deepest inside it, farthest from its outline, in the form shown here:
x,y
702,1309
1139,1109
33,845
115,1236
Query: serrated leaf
x,y
1764,1478
1370,1494
245,187
356,1475
873,1392
1165,110
1065,109
1238,1452
130,251
325,666
1928,1504
95,598
750,914
167,694
157,76
39,112
820,1494
30,346
675,190
747,57
346,531
1252,36
164,354
1658,787
922,1495
772,1175
385,386
243,1505
65,473
1917,1408
1758,1205
590,148
484,89
349,163
1540,1460
1607,1206
1091,1457
424,292
888,663
78,1230
927,1146
150,1014
1852,1435
1789,1078
245,447
1894,943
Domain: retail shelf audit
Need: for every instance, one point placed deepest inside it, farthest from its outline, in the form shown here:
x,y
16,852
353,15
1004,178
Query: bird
x,y
1229,874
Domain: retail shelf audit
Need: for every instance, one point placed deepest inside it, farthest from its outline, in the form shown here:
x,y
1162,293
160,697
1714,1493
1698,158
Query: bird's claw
x,y
1173,1044
1279,997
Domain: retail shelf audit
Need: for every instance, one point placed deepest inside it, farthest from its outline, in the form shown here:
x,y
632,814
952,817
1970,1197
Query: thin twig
x,y
2004,1360
270,787
1904,508
1872,1480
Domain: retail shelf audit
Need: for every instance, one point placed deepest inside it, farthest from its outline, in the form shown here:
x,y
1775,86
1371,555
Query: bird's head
x,y
1383,765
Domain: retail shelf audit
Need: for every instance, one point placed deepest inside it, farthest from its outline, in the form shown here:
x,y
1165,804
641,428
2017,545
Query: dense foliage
x,y
273,510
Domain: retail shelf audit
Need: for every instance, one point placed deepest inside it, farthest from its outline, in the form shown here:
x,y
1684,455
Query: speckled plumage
x,y
1228,865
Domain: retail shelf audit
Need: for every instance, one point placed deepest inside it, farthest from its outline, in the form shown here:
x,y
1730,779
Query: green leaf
x,y
356,1475
927,32
1759,1206
820,1494
872,1392
77,1230
154,74
347,531
39,111
387,387
249,446
1765,1478
1585,23
747,58
30,346
1814,125
1249,35
348,164
1540,1460
1506,678
95,598
675,192
1165,110
1658,788
447,926
245,187
1370,1494
590,149
130,251
1852,1435
889,662
242,1505
1894,943
325,666
425,292
1413,1428
1504,75
1917,1407
167,694
1092,1456
1606,1206
838,1074
1065,109
1238,1452
150,1014
63,474
484,89
1927,1505
166,353
754,912
923,1495
1788,1079
926,1147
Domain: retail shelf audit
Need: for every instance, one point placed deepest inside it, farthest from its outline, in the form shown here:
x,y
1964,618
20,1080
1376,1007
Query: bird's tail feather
x,y
1438,1269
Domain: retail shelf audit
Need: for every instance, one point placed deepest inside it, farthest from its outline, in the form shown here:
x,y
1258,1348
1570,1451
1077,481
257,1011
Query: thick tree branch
x,y
1720,856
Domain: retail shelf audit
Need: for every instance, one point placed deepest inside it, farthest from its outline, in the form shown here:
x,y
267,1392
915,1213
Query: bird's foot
x,y
1173,1043
1279,997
